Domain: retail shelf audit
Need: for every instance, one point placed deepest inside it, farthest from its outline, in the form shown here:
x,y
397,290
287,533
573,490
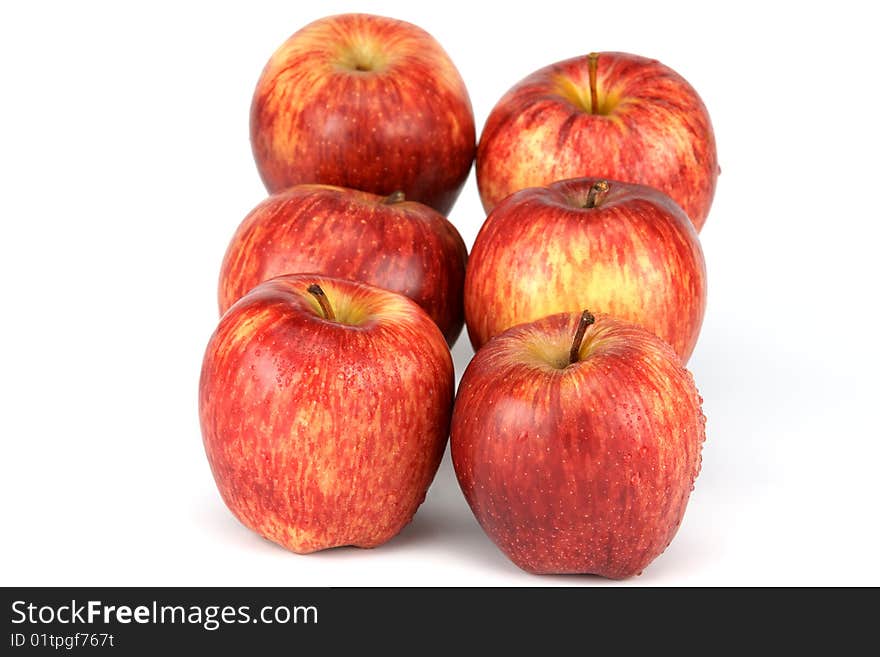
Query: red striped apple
x,y
389,242
577,445
366,102
618,248
610,115
324,406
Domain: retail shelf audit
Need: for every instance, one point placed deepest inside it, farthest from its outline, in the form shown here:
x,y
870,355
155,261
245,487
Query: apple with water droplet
x,y
608,114
324,407
367,102
576,441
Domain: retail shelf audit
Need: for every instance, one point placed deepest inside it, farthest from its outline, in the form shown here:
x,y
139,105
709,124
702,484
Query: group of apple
x,y
327,391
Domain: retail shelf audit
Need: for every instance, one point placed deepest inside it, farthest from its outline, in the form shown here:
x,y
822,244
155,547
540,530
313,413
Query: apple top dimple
x,y
362,54
559,351
575,92
575,193
346,303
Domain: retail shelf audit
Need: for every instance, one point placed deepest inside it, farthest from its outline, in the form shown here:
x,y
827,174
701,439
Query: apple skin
x,y
635,256
324,433
405,247
652,129
580,469
367,102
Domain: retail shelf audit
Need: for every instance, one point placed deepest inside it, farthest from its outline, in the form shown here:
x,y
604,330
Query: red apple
x,y
618,248
402,246
577,446
366,102
609,115
325,406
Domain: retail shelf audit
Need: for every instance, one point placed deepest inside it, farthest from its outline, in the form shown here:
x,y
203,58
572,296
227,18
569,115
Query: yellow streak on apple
x,y
583,276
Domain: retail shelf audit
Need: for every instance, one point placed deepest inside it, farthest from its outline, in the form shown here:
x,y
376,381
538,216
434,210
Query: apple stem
x,y
316,291
394,197
586,319
597,193
593,69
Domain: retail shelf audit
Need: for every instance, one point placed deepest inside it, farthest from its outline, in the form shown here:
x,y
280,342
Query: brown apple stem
x,y
597,194
316,291
594,69
394,197
586,319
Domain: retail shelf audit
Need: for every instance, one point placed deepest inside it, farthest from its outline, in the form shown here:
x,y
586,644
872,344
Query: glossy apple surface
x,y
647,125
543,250
389,242
584,466
367,102
324,428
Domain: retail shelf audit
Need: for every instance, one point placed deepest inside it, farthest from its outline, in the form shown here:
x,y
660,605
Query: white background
x,y
125,166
